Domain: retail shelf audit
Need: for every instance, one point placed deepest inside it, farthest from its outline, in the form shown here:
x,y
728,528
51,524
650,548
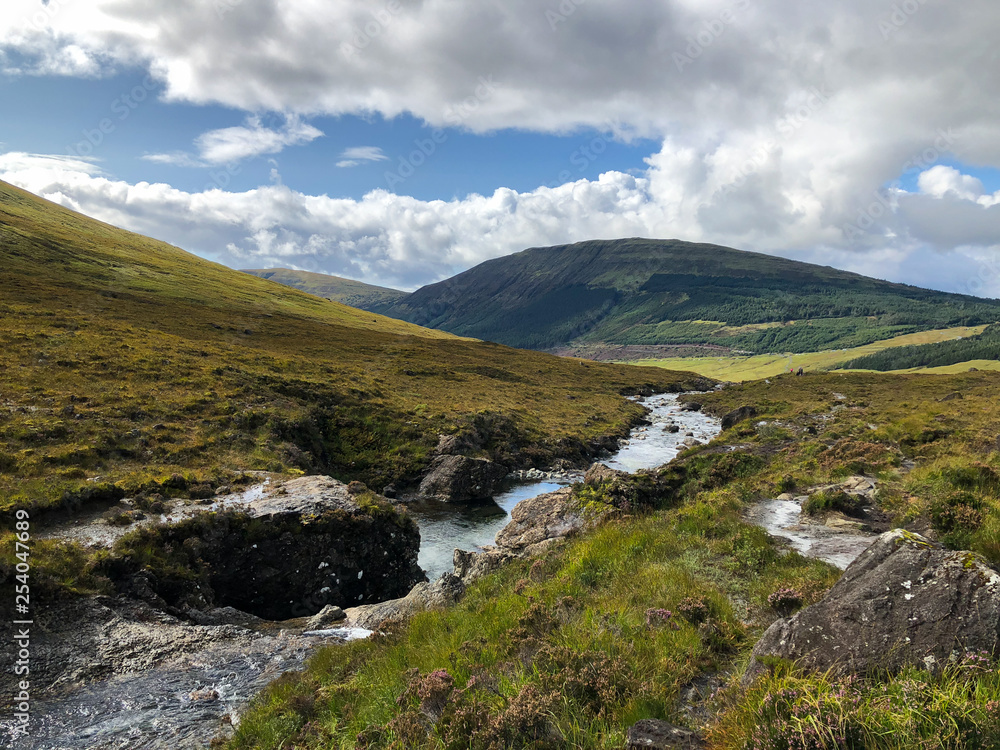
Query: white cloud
x,y
404,242
357,155
779,126
232,145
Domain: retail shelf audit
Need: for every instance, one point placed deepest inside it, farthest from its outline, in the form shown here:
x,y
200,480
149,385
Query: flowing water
x,y
186,701
447,526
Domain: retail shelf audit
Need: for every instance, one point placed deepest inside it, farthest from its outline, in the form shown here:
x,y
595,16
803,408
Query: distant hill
x,y
985,346
668,293
125,361
347,291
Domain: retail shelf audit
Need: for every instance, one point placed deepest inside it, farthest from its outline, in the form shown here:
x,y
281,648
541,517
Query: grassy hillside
x,y
124,361
643,292
624,623
346,291
983,346
736,368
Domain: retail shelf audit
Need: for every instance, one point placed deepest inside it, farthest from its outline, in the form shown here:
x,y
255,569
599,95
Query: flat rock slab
x,y
904,601
652,734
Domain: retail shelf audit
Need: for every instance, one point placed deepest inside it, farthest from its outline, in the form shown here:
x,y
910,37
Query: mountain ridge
x,y
644,292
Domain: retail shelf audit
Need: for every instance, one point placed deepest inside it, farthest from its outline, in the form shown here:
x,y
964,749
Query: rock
x,y
953,396
904,601
671,428
225,616
547,518
690,406
443,592
738,415
460,479
325,618
652,734
598,473
470,566
449,445
308,543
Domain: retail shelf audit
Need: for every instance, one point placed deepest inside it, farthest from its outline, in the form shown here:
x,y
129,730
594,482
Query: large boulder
x,y
904,601
539,522
736,416
443,592
599,473
461,479
312,541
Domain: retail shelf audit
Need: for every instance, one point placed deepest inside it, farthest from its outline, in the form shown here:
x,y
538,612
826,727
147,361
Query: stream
x,y
184,702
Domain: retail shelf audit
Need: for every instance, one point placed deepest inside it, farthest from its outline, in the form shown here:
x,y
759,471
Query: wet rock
x,y
904,601
539,522
598,473
652,734
738,415
461,479
224,616
79,640
690,406
308,543
671,428
325,618
443,592
470,566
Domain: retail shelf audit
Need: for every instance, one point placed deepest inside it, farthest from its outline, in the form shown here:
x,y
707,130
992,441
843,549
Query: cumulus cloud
x,y
781,123
400,241
233,145
357,155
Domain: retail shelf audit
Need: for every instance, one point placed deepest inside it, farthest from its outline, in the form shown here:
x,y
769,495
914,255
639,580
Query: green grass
x,y
498,659
347,291
741,368
124,361
562,652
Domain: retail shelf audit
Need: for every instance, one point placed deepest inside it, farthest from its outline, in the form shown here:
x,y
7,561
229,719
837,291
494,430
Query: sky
x,y
399,142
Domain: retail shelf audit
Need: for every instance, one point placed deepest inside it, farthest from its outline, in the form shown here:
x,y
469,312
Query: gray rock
x,y
736,416
652,734
225,616
470,566
690,406
904,601
546,519
449,445
598,473
326,617
308,543
443,592
461,479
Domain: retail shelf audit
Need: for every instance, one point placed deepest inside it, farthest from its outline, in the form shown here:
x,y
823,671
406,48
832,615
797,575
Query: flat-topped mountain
x,y
669,293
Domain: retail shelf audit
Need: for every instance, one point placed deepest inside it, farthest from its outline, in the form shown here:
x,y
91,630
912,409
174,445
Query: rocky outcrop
x,y
458,479
653,734
539,522
904,601
470,566
736,416
313,541
446,590
598,473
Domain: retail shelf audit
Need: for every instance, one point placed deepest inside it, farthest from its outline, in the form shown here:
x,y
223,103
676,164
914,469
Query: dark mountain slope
x,y
669,292
346,291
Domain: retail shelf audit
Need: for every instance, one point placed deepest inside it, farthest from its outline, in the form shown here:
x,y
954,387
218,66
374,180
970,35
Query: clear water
x,y
447,526
186,702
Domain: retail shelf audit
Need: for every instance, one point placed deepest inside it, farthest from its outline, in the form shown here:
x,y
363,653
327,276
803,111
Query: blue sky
x,y
402,141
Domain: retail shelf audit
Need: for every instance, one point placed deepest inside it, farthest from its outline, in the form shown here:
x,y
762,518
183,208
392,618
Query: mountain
x,y
349,292
667,293
125,361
